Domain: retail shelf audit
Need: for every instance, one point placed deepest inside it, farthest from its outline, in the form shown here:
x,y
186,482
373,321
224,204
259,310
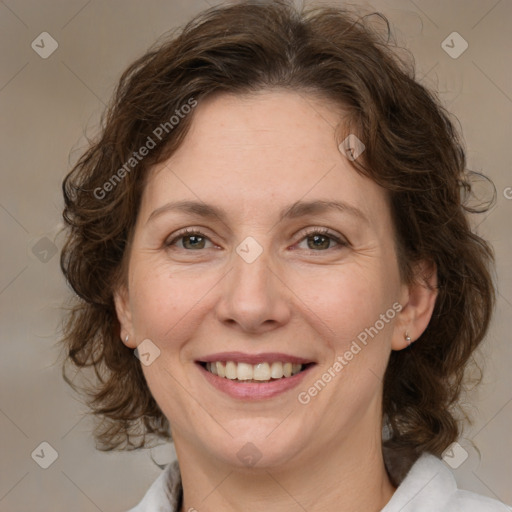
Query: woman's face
x,y
281,275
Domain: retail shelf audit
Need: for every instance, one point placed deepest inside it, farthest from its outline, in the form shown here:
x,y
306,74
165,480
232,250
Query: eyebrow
x,y
295,210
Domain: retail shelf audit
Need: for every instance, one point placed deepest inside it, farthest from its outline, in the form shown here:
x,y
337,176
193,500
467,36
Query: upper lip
x,y
266,357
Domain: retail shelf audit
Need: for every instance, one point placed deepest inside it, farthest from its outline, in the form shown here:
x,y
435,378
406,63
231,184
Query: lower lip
x,y
253,390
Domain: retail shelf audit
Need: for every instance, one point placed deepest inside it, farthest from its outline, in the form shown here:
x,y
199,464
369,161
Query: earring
x,y
407,338
126,339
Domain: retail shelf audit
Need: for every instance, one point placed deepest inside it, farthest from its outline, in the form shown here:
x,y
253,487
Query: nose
x,y
254,297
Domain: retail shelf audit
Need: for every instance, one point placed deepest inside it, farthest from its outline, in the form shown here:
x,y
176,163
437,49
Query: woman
x,y
271,221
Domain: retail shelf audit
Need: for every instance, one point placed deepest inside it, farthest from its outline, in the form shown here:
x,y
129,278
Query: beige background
x,y
46,106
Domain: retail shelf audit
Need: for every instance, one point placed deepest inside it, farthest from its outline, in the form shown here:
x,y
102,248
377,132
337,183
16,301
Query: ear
x,y
418,300
124,316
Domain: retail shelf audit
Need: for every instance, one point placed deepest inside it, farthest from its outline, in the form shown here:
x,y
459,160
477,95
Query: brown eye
x,y
321,240
191,240
194,242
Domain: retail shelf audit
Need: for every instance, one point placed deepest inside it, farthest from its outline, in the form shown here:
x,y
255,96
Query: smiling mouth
x,y
254,373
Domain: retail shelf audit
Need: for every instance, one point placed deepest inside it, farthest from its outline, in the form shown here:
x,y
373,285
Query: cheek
x,y
347,313
345,300
165,302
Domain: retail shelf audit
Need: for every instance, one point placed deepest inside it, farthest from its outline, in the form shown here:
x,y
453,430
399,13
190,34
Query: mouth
x,y
260,373
254,376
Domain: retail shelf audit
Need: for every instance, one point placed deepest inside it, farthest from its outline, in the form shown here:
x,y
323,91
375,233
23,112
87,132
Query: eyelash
x,y
315,231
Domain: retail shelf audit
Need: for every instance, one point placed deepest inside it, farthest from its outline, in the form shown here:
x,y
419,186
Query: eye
x,y
320,239
191,240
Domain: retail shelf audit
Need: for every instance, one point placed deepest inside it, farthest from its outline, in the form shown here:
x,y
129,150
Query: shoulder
x,y
465,501
430,485
164,495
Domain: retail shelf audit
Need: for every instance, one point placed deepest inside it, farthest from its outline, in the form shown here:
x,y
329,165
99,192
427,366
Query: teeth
x,y
261,371
221,369
276,371
231,372
244,371
258,372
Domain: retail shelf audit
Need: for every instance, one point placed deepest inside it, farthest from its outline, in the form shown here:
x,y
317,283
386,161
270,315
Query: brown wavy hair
x,y
413,150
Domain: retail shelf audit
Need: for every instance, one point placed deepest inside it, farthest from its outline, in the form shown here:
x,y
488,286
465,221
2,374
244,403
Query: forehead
x,y
274,147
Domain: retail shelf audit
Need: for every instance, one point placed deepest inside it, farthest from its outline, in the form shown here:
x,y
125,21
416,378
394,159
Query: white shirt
x,y
429,486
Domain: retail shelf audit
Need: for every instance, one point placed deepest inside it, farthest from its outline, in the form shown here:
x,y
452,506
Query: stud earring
x,y
407,338
126,339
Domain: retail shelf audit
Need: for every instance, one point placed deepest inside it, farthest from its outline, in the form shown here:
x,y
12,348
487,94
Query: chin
x,y
259,447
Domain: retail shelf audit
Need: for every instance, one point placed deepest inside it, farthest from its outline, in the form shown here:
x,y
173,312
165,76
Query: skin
x,y
254,155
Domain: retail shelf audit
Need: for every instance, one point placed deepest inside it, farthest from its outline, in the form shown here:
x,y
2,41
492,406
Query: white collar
x,y
429,486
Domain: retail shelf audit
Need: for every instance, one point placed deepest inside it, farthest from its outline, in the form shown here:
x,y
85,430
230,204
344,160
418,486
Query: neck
x,y
344,476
